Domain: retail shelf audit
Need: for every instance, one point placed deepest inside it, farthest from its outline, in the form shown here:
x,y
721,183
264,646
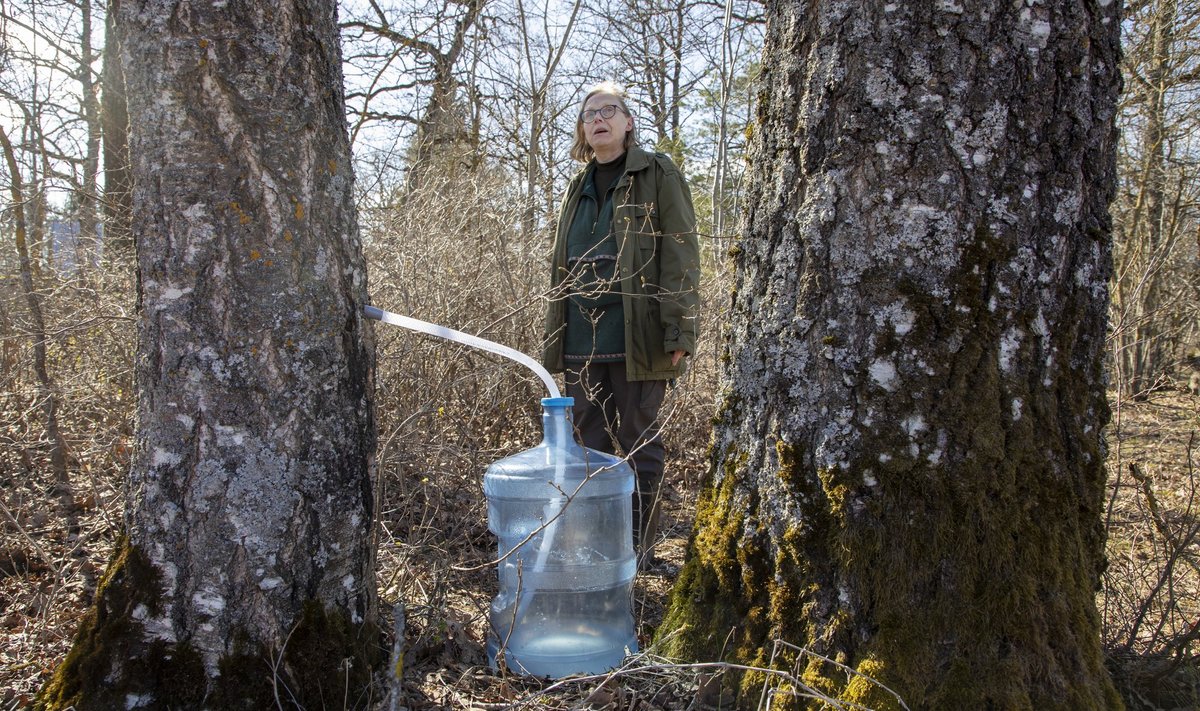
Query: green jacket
x,y
658,263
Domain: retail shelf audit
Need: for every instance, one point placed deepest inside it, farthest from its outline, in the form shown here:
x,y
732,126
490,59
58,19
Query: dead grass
x,y
1150,601
435,548
433,541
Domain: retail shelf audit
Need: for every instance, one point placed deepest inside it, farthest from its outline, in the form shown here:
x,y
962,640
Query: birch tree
x,y
907,474
245,577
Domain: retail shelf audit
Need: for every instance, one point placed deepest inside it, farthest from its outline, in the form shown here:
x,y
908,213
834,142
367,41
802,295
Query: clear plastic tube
x,y
433,329
557,432
555,506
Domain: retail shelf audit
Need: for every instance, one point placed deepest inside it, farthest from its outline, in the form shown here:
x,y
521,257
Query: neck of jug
x,y
557,428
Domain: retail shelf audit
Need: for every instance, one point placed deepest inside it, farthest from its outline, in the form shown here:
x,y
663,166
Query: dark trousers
x,y
611,412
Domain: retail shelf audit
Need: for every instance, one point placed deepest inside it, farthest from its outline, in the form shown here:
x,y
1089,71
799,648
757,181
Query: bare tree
x,y
47,58
28,86
726,100
658,42
54,85
410,60
1155,287
114,113
48,395
86,196
524,76
906,484
246,577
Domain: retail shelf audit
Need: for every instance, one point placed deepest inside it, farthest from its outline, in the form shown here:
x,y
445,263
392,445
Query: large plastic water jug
x,y
563,518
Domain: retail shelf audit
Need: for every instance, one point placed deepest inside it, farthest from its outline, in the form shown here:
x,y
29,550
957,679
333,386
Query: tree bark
x,y
246,575
114,114
907,471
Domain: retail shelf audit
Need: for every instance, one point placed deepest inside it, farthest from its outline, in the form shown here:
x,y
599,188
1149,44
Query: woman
x,y
624,277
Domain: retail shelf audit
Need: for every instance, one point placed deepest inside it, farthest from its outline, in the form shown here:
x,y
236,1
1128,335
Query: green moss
x,y
961,592
733,598
789,465
866,692
325,658
968,577
709,604
820,675
327,647
107,632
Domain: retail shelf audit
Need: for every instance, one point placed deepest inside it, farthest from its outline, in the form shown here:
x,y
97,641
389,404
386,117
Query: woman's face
x,y
606,136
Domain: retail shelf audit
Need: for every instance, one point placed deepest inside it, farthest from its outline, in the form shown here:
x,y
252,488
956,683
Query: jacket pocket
x,y
647,246
643,220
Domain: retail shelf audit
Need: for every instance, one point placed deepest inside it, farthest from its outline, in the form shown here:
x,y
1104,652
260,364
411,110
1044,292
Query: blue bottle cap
x,y
558,402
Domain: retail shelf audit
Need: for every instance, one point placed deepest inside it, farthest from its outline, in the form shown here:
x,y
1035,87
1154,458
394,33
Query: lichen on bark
x,y
906,476
113,664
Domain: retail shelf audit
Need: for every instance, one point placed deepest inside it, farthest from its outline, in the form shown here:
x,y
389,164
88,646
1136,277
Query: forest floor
x,y
1150,604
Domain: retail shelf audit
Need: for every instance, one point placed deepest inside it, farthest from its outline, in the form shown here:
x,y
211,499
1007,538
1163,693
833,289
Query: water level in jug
x,y
560,647
563,522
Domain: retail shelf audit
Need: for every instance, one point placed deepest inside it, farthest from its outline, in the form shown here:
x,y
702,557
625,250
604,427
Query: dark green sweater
x,y
595,316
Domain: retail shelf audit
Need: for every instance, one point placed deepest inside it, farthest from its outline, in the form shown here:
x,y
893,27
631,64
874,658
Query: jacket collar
x,y
636,159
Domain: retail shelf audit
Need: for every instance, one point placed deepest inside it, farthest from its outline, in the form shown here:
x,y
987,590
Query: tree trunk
x,y
88,243
907,472
655,49
445,145
246,576
118,191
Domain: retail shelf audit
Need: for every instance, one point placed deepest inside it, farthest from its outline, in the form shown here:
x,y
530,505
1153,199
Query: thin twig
x,y
29,539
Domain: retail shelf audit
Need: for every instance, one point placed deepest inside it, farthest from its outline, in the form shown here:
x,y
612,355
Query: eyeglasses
x,y
603,112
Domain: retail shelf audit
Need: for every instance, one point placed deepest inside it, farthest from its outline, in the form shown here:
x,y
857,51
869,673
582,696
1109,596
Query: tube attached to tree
x,y
433,329
562,515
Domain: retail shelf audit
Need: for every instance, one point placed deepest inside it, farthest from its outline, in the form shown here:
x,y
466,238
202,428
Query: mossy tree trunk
x,y
246,576
907,468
